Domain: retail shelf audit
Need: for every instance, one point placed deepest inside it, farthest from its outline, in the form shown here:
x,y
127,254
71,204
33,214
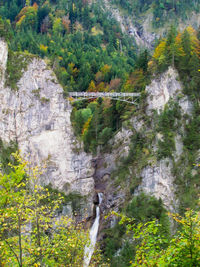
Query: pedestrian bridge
x,y
126,97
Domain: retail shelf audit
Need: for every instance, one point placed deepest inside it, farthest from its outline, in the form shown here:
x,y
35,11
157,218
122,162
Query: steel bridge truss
x,y
125,97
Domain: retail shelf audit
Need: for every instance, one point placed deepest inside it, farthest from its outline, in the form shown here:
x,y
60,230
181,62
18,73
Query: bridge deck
x,y
102,94
126,97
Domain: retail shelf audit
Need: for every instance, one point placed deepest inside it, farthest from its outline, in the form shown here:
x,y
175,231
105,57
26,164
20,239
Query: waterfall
x,y
93,235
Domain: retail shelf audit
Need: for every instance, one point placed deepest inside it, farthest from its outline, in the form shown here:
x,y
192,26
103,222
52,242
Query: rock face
x,y
3,61
155,176
142,36
162,89
158,180
105,164
38,118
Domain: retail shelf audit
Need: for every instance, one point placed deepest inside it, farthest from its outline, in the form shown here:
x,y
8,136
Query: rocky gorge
x,y
99,133
37,117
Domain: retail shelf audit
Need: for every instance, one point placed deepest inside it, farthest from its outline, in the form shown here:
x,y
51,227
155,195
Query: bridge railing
x,y
102,94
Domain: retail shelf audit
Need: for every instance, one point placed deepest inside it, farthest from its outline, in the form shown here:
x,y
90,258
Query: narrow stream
x,y
93,235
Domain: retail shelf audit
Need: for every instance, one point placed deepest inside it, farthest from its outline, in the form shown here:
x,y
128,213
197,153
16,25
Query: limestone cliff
x,y
148,173
38,118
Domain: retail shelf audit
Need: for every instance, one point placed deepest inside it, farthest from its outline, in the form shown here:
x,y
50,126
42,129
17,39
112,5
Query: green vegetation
x,y
154,249
88,52
31,230
79,39
167,124
162,9
185,170
118,246
145,208
6,157
96,123
180,50
74,199
16,65
127,174
192,138
141,241
174,50
5,29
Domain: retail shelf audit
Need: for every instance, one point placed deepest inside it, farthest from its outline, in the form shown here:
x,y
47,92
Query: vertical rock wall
x,y
37,117
155,176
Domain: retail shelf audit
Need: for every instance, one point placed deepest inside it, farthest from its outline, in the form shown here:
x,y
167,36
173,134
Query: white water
x,y
89,250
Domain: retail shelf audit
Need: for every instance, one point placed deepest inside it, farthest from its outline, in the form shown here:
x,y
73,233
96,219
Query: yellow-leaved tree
x,y
32,231
154,249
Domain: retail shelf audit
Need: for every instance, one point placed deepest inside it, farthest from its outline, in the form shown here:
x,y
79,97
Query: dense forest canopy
x,y
62,31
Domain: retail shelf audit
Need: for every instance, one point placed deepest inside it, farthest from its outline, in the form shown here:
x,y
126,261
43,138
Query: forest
x,y
34,233
87,50
162,10
60,31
